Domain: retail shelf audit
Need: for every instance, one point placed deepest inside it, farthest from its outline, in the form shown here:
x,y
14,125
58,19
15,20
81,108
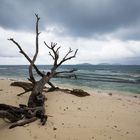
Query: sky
x,y
103,31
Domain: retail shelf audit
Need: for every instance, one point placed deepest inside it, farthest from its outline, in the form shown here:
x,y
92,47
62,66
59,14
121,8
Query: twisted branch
x,y
55,55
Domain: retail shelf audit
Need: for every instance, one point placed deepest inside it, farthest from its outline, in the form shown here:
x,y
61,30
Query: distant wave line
x,y
111,80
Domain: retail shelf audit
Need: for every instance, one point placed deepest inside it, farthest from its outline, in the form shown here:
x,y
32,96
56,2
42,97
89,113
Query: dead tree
x,y
35,107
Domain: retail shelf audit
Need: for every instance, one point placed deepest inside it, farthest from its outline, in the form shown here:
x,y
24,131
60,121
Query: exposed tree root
x,y
22,123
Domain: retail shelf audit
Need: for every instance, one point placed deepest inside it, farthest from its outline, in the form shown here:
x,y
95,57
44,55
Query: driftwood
x,y
23,114
79,92
35,108
23,122
76,92
25,85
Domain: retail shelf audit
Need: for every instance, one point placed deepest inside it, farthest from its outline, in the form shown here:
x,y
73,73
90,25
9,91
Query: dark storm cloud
x,y
18,14
79,17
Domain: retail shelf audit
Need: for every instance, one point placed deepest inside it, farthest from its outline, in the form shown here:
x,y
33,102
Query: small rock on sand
x,y
35,137
135,96
54,128
110,94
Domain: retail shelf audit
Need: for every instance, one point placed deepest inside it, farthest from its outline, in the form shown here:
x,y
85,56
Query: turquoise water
x,y
105,77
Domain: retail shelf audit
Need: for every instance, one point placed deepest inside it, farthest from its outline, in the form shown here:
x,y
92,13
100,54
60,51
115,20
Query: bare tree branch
x,y
47,45
70,51
24,92
67,58
27,121
32,79
55,55
70,71
52,86
27,57
58,74
51,56
36,52
66,76
58,49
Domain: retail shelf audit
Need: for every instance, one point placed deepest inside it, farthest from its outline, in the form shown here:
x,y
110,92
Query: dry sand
x,y
97,117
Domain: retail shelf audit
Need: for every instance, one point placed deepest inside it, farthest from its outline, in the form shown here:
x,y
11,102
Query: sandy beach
x,y
98,117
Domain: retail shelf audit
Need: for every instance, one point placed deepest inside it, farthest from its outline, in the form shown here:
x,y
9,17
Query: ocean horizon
x,y
125,78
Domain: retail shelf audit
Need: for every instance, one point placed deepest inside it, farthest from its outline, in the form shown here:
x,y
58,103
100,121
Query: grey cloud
x,y
17,14
79,17
131,33
129,61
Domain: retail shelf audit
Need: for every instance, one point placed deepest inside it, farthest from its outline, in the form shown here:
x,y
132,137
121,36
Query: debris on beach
x,y
110,94
79,92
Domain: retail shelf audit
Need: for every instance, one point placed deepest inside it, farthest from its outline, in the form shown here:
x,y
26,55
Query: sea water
x,y
124,78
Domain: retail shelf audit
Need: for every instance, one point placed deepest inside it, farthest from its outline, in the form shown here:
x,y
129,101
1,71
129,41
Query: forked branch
x,y
67,57
55,55
36,52
63,74
32,62
27,57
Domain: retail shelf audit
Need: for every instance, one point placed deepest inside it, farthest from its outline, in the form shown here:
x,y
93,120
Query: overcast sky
x,y
104,31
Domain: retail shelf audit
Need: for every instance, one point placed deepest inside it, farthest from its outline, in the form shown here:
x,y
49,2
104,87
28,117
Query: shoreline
x,y
85,88
120,79
100,91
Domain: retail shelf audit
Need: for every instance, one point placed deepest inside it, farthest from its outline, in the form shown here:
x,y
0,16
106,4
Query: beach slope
x,y
99,117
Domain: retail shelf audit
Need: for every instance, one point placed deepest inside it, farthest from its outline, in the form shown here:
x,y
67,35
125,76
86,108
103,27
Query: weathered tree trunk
x,y
37,98
35,107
